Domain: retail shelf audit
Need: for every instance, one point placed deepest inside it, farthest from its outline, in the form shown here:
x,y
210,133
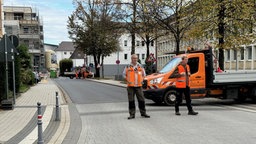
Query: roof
x,y
50,44
77,54
66,46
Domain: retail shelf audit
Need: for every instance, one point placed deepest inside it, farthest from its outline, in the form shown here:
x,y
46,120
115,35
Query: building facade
x,y
50,56
111,68
1,19
24,23
243,58
65,51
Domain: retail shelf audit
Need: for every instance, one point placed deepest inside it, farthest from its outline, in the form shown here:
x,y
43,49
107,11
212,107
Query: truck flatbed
x,y
235,77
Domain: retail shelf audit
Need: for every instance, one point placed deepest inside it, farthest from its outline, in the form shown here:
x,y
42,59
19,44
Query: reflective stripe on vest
x,y
134,77
181,81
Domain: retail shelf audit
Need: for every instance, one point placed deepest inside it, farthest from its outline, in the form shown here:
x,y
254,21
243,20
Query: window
x,y
142,43
152,43
137,43
228,55
65,53
242,53
193,64
143,56
125,56
249,52
26,42
25,30
138,56
36,45
254,51
8,29
18,16
53,58
235,55
125,42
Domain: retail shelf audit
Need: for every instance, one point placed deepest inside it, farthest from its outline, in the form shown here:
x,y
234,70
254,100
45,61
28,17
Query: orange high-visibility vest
x,y
134,77
181,81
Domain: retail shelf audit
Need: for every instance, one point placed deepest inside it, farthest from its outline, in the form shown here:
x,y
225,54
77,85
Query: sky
x,y
54,14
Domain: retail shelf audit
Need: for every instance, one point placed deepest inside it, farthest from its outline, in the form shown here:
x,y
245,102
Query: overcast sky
x,y
54,14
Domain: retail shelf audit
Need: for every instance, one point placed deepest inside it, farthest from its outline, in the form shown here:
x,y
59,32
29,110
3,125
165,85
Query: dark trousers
x,y
132,91
186,92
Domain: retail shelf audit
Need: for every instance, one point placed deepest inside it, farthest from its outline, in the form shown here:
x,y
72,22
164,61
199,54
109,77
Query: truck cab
x,y
160,87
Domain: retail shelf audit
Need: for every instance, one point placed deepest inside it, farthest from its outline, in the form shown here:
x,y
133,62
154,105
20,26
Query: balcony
x,y
29,36
34,51
25,22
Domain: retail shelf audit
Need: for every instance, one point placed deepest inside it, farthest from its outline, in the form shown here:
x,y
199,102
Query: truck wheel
x,y
71,77
170,97
242,95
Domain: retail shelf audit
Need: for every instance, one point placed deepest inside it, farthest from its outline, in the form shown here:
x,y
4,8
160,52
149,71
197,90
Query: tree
x,y
26,74
229,23
147,26
128,13
147,29
175,16
93,29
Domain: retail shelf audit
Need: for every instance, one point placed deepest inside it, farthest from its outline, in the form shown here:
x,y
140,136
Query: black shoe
x,y
192,113
131,117
145,115
177,113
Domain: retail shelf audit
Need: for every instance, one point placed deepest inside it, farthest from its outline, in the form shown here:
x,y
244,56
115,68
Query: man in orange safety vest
x,y
134,74
182,73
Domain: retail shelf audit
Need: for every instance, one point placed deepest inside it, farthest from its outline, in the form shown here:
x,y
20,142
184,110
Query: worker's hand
x,y
183,74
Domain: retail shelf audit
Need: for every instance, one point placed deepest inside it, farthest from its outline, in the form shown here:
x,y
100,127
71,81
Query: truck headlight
x,y
156,81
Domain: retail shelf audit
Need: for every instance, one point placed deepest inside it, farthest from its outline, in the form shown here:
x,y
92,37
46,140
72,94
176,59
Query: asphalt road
x,y
89,92
103,110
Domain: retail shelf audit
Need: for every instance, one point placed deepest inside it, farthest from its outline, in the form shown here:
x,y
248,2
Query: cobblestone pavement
x,y
20,124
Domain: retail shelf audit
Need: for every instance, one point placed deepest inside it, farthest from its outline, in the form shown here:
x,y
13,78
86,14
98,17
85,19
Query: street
x,y
103,110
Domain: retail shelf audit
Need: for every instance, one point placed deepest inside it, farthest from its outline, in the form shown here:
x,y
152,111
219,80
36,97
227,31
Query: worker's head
x,y
134,59
184,60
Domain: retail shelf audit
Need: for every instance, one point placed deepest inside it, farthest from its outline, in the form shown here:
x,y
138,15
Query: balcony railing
x,y
34,22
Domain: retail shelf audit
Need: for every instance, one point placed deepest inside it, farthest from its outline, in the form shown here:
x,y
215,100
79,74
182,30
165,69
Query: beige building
x,y
50,56
243,58
1,19
25,23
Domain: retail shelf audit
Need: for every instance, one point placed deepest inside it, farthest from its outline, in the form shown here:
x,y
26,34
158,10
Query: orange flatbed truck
x,y
205,81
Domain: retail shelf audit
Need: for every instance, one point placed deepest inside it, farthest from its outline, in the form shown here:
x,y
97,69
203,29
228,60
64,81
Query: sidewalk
x,y
20,124
110,82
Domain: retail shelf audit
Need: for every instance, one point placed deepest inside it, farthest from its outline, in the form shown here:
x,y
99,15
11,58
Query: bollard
x,y
39,123
57,108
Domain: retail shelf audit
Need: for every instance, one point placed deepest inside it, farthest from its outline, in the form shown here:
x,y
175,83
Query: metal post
x,y
6,66
13,75
57,108
39,123
118,78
